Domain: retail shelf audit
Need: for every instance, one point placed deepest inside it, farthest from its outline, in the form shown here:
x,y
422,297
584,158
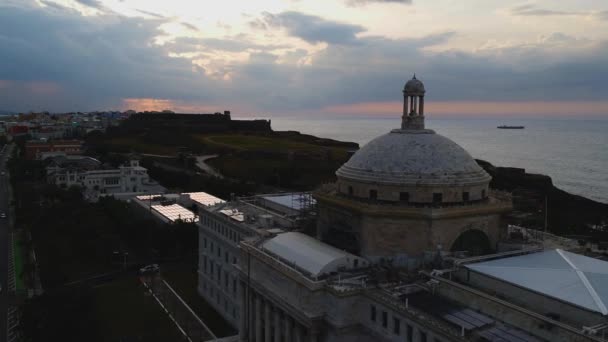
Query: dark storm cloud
x,y
97,60
314,29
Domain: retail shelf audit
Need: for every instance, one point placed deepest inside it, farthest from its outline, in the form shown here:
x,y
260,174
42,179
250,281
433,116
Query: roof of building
x,y
310,254
567,276
414,87
175,212
204,198
296,201
412,158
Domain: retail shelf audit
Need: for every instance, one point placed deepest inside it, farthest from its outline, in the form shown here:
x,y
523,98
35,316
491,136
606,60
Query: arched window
x,y
350,190
483,193
465,196
373,194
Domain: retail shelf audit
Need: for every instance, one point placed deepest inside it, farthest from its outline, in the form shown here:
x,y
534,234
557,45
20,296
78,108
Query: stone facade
x,y
402,231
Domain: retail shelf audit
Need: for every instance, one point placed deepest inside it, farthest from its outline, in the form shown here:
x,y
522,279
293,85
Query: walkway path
x,y
200,162
182,315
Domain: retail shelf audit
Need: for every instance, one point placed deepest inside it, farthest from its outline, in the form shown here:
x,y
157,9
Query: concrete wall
x,y
417,194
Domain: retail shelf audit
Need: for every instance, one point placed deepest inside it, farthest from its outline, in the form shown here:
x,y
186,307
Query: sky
x,y
305,57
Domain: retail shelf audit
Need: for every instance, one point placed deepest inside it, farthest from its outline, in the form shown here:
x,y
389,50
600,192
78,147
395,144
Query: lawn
x,y
183,280
128,144
18,257
265,143
123,309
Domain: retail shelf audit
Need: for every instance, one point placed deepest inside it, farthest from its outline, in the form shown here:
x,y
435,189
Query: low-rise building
x,y
34,149
130,178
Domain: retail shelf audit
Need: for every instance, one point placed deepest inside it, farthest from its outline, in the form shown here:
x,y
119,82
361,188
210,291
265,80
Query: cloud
x,y
92,3
97,60
529,10
312,29
59,60
367,2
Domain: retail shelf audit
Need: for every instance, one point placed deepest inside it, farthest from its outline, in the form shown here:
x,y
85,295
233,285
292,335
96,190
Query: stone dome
x,y
413,158
414,87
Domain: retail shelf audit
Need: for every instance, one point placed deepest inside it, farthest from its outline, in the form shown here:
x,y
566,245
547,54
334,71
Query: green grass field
x,y
184,281
124,310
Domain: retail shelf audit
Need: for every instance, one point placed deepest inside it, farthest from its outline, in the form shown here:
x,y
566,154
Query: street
x,y
4,240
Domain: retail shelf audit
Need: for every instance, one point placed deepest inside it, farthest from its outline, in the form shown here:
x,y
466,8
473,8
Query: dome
x,y
413,158
414,86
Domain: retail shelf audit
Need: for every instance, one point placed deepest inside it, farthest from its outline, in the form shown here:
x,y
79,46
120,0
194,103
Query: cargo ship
x,y
510,127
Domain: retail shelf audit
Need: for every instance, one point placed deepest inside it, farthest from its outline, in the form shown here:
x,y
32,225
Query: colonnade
x,y
263,321
413,104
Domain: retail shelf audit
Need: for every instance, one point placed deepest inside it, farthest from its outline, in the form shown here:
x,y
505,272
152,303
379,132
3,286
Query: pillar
x,y
298,332
243,312
277,325
258,318
312,335
287,322
251,313
267,318
421,105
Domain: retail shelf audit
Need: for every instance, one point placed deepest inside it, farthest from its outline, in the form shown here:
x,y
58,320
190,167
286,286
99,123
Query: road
x,y
4,240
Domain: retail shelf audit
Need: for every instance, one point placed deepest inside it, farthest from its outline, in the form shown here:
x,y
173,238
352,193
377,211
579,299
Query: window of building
x,y
373,313
350,190
465,196
384,319
219,274
437,198
204,263
410,333
226,257
483,193
404,196
234,286
211,247
226,279
219,252
396,326
373,194
204,242
422,336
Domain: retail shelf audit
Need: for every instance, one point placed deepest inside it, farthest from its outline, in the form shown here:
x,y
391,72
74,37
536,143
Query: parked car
x,y
153,268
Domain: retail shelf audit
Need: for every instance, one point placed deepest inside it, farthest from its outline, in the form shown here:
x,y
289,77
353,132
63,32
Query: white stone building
x,y
415,256
130,178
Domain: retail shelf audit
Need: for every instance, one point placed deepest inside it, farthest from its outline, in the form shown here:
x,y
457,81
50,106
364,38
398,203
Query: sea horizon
x,y
571,151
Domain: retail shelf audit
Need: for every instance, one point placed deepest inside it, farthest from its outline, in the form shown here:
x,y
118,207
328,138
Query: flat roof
x,y
567,276
297,201
310,254
204,198
175,212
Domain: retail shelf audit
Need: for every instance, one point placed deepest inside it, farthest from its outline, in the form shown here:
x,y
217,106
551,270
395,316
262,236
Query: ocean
x,y
574,152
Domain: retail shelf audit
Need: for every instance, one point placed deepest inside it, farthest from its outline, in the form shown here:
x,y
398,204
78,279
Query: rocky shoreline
x,y
535,194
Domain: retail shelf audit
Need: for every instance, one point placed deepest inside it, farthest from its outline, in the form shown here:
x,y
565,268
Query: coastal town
x,y
110,226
